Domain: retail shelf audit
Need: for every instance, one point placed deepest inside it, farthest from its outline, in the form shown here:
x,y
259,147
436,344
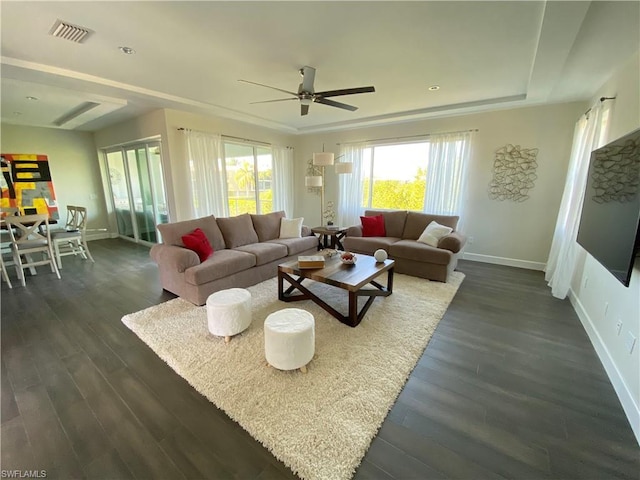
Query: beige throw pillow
x,y
291,227
433,233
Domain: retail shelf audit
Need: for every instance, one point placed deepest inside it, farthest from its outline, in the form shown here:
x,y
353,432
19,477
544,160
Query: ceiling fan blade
x,y
270,101
304,109
308,77
346,91
272,88
335,104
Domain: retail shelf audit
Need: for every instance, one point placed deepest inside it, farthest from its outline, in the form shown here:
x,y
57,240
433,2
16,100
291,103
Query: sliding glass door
x,y
137,189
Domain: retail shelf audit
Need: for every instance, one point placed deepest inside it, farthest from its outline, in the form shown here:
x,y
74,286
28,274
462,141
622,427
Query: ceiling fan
x,y
307,95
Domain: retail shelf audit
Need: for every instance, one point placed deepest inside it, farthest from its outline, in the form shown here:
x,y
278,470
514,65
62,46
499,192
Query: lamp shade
x,y
324,158
344,167
313,181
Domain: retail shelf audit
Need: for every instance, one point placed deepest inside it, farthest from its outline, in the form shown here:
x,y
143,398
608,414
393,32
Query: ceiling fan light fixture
x,y
306,101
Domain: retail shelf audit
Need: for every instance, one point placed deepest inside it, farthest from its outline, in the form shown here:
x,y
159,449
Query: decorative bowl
x,y
344,258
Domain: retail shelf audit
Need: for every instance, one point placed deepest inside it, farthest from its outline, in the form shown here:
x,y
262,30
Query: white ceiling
x,y
190,56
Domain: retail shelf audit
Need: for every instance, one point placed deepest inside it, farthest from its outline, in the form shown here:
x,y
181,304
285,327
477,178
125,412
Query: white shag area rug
x,y
320,424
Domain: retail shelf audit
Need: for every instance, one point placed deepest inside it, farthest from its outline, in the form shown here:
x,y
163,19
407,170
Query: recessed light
x,y
127,50
433,88
31,98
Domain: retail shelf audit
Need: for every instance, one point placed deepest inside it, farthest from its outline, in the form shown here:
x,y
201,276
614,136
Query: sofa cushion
x,y
267,226
368,245
291,227
297,245
197,241
417,222
172,232
373,226
238,231
433,233
419,252
265,252
222,264
393,221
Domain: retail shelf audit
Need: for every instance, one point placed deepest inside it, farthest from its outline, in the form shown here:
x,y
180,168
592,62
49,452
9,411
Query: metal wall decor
x,y
615,174
514,173
313,171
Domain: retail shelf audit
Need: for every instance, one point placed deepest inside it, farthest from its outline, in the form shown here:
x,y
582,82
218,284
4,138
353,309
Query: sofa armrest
x,y
174,258
306,231
354,231
453,242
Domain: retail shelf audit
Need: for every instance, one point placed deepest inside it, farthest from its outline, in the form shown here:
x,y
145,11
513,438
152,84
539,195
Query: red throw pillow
x,y
373,226
198,242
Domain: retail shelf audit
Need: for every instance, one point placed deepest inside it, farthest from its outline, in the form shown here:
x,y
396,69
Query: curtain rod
x,y
602,99
426,135
231,137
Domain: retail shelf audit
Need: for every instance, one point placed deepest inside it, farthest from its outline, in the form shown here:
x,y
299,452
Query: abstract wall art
x,y
514,173
26,183
615,173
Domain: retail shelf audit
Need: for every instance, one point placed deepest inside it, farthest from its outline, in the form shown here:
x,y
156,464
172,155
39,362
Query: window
x,y
249,175
425,175
395,176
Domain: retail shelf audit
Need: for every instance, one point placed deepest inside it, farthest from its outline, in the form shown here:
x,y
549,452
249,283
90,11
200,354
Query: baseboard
x,y
509,262
99,236
631,409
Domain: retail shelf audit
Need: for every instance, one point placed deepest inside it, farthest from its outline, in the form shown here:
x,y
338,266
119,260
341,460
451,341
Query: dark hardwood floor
x,y
509,387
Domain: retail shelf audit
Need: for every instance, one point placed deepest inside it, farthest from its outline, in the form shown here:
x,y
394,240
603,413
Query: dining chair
x,y
5,242
73,238
5,275
28,237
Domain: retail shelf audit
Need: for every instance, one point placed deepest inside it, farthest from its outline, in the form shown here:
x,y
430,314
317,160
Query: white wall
x,y
504,232
74,167
593,287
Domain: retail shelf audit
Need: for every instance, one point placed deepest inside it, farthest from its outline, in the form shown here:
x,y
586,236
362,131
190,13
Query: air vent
x,y
70,32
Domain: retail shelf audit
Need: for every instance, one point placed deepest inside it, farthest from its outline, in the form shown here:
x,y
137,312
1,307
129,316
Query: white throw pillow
x,y
433,233
291,227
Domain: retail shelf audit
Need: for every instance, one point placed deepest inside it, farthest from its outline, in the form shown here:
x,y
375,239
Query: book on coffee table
x,y
310,261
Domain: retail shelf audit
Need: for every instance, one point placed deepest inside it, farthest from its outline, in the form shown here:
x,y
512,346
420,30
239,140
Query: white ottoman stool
x,y
289,339
229,312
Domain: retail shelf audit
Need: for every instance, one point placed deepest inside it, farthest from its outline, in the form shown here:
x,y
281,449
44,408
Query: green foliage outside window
x,y
396,194
240,204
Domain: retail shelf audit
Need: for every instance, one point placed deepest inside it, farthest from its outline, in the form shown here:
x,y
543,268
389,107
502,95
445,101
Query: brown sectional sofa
x,y
247,251
411,257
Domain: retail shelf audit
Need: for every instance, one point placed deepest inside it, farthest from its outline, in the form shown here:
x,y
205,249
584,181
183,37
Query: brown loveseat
x,y
411,257
247,251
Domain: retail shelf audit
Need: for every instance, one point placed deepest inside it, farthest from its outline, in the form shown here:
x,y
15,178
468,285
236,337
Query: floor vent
x,y
70,32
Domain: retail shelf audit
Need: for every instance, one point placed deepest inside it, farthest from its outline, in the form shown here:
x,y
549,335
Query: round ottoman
x,y
289,339
229,312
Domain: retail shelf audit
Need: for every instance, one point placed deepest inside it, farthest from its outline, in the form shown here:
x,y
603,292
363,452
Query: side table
x,y
330,238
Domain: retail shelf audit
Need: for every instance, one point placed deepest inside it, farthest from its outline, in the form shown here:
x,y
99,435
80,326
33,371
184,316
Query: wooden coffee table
x,y
352,278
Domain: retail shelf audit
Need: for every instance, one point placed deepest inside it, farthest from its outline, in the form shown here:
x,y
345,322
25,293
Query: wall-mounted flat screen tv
x,y
610,222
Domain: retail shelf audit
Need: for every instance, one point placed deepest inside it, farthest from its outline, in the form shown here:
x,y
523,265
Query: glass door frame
x,y
123,150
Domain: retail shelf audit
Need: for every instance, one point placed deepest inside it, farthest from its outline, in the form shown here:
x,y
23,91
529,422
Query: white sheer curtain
x,y
446,173
562,256
350,186
283,181
208,178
